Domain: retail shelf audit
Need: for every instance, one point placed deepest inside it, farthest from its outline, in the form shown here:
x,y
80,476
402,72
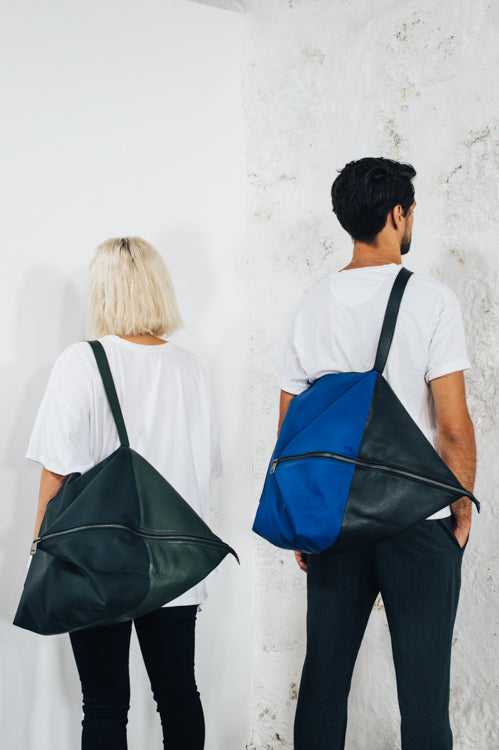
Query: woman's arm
x,y
50,484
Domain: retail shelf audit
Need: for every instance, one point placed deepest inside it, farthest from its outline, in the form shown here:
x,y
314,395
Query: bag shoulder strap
x,y
112,396
390,319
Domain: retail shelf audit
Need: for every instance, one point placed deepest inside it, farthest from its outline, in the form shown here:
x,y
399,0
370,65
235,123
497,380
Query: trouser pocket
x,y
446,526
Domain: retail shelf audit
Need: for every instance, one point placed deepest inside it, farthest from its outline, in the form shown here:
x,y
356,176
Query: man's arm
x,y
50,484
456,443
284,403
285,400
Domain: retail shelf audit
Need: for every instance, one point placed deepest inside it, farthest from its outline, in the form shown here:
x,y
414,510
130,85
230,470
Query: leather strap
x,y
390,319
112,396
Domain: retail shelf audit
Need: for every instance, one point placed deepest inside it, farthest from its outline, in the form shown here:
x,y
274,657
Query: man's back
x,y
417,571
337,327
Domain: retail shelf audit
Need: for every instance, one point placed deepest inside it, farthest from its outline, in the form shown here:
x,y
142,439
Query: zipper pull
x,y
273,466
35,545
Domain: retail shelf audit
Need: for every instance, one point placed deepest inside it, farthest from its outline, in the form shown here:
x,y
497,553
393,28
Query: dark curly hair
x,y
366,190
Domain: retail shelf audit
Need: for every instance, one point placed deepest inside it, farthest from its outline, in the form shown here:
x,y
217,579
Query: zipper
x,y
380,467
142,534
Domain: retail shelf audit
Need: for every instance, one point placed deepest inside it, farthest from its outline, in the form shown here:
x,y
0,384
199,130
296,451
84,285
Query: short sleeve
x,y
294,378
60,439
447,351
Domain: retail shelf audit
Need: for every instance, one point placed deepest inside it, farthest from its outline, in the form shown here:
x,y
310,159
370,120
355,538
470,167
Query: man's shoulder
x,y
424,283
318,291
429,289
424,292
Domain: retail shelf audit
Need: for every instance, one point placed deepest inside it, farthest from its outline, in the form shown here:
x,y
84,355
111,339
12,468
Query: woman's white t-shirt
x,y
337,327
165,400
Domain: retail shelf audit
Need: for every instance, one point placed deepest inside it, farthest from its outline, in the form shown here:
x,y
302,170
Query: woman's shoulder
x,y
77,360
183,355
70,376
72,358
188,361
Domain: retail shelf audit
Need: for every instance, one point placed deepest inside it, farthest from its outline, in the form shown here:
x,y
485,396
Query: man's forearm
x,y
459,453
284,403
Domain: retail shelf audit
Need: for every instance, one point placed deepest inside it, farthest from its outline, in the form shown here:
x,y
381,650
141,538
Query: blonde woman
x,y
166,405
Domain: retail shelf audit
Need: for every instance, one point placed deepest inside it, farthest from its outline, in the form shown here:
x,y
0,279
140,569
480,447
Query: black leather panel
x,y
380,506
392,437
106,493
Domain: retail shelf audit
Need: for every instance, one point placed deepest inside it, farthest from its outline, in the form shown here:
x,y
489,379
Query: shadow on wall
x,y
48,317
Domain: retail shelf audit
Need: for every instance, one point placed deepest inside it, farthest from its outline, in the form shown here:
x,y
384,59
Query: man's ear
x,y
396,217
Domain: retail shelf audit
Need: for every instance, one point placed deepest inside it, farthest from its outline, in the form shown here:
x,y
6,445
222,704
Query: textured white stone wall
x,y
326,82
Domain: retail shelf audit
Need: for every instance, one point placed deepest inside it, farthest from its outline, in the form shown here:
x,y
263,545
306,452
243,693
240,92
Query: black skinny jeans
x,y
166,638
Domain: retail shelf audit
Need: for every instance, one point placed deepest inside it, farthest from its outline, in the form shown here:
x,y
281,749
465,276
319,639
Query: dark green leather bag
x,y
116,542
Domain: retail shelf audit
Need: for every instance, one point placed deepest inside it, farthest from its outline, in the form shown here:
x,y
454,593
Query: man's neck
x,y
381,253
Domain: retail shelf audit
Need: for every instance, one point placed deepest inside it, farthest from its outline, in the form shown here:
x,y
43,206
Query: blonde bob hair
x,y
131,292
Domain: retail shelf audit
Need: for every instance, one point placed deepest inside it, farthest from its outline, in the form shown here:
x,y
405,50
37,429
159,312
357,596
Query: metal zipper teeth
x,y
380,467
143,535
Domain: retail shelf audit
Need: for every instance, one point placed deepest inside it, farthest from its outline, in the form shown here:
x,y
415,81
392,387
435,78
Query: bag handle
x,y
112,396
390,319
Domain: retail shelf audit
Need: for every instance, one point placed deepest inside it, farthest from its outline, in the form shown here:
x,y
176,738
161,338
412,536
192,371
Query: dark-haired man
x,y
336,329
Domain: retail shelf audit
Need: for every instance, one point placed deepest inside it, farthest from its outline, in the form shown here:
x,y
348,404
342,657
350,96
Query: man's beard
x,y
405,244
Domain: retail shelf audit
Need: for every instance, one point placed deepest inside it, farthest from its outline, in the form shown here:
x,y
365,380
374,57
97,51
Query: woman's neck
x,y
147,339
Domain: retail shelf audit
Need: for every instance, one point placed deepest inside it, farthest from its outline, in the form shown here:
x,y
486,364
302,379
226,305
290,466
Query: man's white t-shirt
x,y
337,327
165,400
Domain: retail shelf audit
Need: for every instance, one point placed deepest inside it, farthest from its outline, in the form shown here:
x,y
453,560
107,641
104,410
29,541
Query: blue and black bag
x,y
350,466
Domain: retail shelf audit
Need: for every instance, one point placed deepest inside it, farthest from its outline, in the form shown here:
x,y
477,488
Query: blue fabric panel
x,y
310,404
339,426
325,484
330,416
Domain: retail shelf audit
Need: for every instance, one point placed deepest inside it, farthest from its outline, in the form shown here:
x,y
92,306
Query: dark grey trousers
x,y
418,573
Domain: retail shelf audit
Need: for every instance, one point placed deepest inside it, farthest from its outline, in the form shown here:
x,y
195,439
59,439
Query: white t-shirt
x,y
165,400
337,327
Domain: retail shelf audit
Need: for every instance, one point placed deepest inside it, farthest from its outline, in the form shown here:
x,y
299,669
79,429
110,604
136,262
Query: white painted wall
x,y
324,83
118,118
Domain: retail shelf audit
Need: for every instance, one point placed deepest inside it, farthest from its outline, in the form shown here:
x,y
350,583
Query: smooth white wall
x,y
120,118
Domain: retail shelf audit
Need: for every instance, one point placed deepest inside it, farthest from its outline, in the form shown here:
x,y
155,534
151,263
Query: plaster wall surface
x,y
324,83
120,118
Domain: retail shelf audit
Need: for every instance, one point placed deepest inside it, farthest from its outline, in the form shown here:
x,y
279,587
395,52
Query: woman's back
x,y
166,406
165,400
